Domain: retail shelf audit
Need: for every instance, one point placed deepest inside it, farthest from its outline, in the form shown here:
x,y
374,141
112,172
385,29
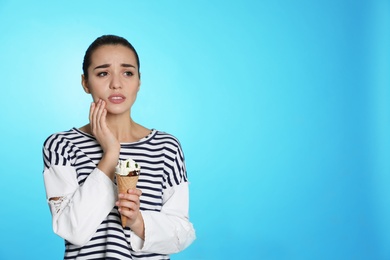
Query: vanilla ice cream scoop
x,y
128,168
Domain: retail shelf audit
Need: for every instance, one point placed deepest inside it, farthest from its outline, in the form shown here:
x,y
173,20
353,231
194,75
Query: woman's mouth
x,y
116,98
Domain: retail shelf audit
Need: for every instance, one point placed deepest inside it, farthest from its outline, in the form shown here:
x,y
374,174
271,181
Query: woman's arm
x,y
77,211
170,230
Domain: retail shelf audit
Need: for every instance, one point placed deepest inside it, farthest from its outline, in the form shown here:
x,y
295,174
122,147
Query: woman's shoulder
x,y
165,137
163,134
61,137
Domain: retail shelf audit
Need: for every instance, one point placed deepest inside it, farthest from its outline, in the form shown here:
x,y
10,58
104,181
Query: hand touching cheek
x,y
110,145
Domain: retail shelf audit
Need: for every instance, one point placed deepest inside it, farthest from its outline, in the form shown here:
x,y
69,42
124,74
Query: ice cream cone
x,y
125,183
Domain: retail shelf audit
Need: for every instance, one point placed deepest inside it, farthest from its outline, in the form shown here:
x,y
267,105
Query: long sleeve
x,y
77,210
168,231
82,198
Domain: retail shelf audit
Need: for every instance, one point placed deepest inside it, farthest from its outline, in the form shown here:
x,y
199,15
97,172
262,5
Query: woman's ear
x,y
84,83
139,82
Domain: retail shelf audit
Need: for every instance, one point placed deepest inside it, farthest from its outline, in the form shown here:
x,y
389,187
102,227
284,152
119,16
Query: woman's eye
x,y
102,74
129,73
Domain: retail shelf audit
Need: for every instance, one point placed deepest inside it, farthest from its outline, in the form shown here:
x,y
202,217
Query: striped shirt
x,y
86,215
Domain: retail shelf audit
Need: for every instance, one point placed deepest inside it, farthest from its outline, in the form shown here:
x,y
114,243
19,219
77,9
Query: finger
x,y
99,115
91,110
130,214
98,111
137,192
130,205
94,117
129,197
128,209
102,120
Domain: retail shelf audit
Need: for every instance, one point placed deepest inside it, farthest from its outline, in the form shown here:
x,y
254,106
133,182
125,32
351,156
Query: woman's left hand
x,y
128,205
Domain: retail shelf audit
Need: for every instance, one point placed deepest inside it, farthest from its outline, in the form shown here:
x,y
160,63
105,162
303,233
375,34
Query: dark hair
x,y
106,40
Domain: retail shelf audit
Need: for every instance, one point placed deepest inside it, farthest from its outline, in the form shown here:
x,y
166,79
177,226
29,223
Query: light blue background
x,y
282,108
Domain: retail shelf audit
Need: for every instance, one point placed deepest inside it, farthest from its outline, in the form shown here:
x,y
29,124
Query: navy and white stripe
x,y
162,165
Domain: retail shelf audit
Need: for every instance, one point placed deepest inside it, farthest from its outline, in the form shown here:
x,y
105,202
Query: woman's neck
x,y
123,128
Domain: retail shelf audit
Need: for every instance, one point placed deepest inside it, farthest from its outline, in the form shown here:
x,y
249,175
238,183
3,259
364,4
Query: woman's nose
x,y
115,83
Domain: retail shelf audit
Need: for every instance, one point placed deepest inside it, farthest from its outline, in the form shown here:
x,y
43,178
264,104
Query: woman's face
x,y
113,77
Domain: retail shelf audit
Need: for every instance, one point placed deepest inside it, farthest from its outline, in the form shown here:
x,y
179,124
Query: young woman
x,y
79,170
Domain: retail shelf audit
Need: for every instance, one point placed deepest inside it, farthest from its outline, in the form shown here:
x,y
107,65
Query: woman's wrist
x,y
138,227
107,164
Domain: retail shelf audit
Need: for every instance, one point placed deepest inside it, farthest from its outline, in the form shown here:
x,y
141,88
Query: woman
x,y
79,170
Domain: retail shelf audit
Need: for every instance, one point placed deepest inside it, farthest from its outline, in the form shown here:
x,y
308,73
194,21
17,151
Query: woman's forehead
x,y
113,53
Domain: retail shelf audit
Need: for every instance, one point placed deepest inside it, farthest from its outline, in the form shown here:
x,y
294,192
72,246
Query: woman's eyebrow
x,y
103,66
127,65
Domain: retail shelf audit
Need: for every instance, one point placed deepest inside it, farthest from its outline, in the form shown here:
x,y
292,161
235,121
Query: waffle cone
x,y
125,183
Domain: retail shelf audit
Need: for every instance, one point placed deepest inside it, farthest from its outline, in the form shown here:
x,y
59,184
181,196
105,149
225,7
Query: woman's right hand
x,y
109,143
